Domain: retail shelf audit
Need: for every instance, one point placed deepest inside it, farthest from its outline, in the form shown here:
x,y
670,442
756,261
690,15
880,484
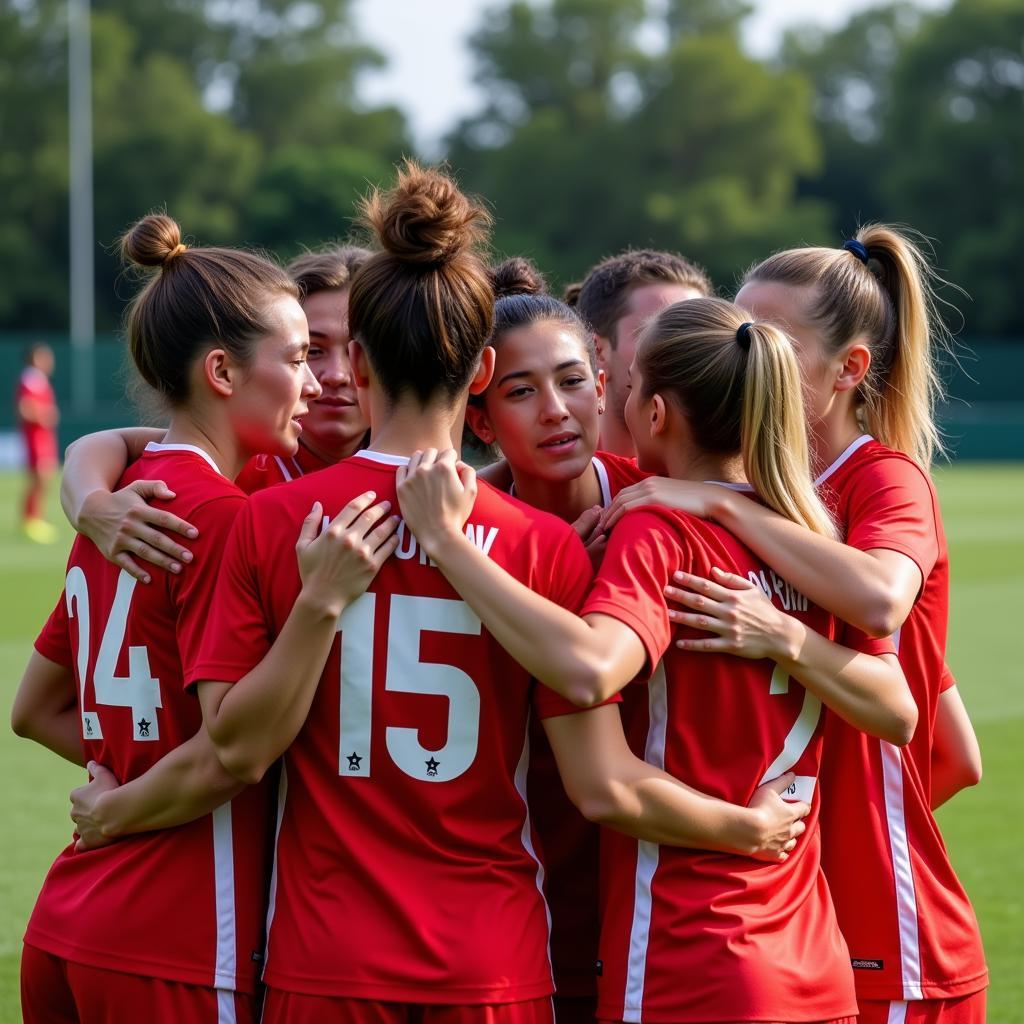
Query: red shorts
x,y
57,991
283,1007
962,1010
40,449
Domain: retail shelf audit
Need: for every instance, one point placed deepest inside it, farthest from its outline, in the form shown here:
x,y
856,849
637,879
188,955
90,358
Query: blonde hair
x,y
890,302
740,392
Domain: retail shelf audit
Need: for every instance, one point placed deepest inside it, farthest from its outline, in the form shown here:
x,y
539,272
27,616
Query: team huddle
x,y
643,719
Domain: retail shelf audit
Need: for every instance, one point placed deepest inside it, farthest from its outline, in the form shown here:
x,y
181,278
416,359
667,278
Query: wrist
x,y
721,505
105,816
319,607
750,830
442,543
791,641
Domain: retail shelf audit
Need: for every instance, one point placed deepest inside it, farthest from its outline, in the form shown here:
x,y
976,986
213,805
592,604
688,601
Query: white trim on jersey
x,y
526,834
646,857
384,458
296,469
603,482
226,1007
855,446
742,488
897,1013
225,967
156,446
282,797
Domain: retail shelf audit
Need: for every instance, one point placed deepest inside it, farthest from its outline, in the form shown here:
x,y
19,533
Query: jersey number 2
x,y
797,739
404,672
138,690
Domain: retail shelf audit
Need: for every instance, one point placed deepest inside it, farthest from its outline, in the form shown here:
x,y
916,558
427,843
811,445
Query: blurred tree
x,y
956,131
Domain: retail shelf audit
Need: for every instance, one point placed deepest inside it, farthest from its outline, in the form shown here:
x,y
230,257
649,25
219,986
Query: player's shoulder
x,y
515,516
193,476
616,472
869,464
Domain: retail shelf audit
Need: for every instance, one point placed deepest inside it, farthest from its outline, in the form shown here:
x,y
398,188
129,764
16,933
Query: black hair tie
x,y
743,336
857,248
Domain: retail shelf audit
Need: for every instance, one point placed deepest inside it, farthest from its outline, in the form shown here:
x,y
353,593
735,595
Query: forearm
x,y
182,786
260,715
867,691
848,582
554,645
95,462
956,755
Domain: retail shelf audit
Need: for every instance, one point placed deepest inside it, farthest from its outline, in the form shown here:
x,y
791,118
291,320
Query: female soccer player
x,y
862,319
126,527
168,925
711,395
406,886
37,415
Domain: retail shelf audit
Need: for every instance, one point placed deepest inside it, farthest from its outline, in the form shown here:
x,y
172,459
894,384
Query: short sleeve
x,y
193,588
891,506
947,680
237,634
856,640
644,550
54,640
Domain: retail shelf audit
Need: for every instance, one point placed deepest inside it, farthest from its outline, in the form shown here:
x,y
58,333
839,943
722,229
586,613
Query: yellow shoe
x,y
40,531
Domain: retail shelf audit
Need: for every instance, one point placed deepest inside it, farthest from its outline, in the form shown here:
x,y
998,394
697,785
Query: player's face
x,y
277,385
643,303
785,306
637,414
334,425
544,404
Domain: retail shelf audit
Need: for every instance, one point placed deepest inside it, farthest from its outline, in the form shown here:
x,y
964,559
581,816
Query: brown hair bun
x,y
424,218
517,276
151,241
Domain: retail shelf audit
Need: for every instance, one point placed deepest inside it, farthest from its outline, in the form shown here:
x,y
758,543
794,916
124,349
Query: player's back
x,y
699,935
154,903
405,868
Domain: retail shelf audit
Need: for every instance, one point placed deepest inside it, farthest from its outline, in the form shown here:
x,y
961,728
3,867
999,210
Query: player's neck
x,y
189,428
615,436
831,436
567,499
407,427
700,466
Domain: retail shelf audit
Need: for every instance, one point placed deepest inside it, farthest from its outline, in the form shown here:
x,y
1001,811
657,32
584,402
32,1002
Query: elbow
x,y
903,724
241,764
599,806
883,618
971,771
590,681
21,723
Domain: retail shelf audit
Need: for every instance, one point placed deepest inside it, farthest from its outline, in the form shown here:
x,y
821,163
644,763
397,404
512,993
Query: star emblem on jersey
x,y
143,726
354,761
432,766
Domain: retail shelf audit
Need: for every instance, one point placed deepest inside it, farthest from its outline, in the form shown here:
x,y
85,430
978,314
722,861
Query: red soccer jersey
x,y
40,438
571,844
185,904
404,867
691,935
263,471
911,930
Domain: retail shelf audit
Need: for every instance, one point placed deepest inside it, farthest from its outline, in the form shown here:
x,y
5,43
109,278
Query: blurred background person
x,y
37,419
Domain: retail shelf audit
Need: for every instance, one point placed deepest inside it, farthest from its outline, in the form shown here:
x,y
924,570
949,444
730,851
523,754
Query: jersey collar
x,y
855,446
155,446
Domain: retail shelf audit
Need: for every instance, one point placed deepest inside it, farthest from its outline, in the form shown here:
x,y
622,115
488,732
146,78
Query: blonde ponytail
x,y
773,431
738,383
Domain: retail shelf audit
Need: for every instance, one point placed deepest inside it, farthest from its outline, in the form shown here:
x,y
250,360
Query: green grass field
x,y
984,827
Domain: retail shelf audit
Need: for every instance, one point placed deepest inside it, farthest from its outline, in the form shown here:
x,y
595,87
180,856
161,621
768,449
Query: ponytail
x,y
878,288
773,431
738,384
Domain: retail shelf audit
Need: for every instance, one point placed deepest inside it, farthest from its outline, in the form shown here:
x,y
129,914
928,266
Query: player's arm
x,y
867,690
584,660
613,787
183,785
122,524
253,721
873,590
46,709
956,756
31,410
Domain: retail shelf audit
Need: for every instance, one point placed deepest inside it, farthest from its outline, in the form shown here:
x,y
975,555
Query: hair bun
x,y
151,241
425,219
517,276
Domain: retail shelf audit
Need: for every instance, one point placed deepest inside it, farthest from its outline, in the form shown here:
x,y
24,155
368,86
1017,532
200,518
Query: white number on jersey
x,y
404,673
138,690
796,741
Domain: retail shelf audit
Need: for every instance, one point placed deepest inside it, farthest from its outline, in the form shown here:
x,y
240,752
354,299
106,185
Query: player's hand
x,y
124,526
737,611
436,492
338,563
595,540
684,495
780,822
87,805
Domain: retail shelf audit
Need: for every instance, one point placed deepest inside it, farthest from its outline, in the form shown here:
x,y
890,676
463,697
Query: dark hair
x,y
327,269
571,293
201,298
423,307
523,300
889,302
737,382
604,293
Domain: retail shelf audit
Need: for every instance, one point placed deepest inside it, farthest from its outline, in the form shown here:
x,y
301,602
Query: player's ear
x,y
856,361
599,384
603,348
484,371
219,372
479,423
360,364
